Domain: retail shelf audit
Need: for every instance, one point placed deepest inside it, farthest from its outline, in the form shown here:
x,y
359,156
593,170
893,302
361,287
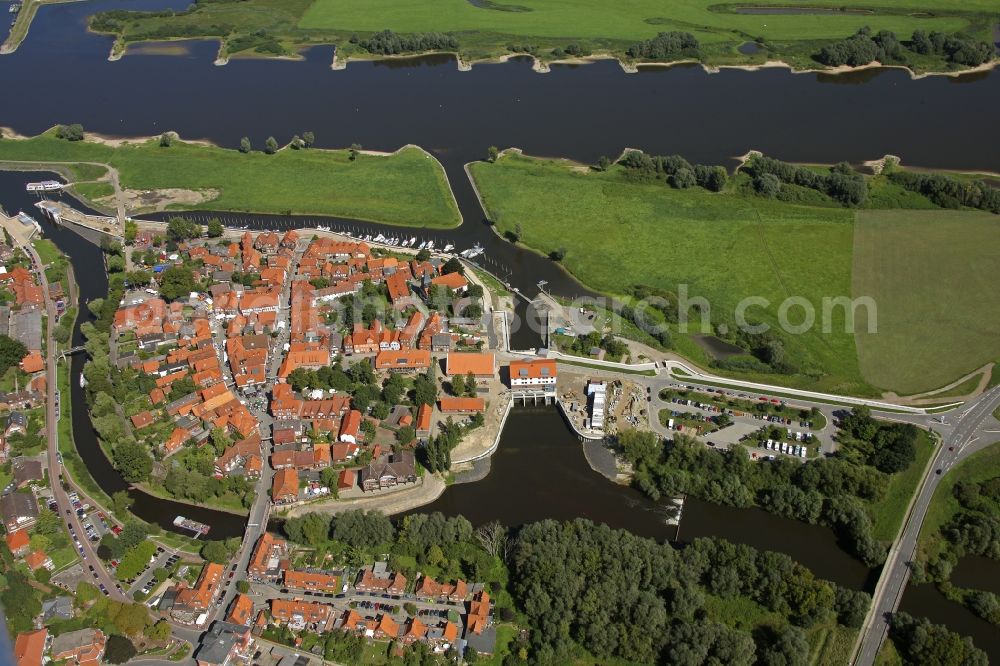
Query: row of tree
x,y
675,170
665,46
388,42
841,182
865,47
949,192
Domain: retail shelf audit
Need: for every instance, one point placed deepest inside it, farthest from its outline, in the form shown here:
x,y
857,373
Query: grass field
x,y
276,27
724,247
980,466
932,275
887,515
406,188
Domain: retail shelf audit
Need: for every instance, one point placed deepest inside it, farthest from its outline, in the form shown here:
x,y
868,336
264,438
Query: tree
x,y
120,503
406,434
393,389
72,132
159,632
11,353
558,254
175,282
297,143
920,642
130,230
119,650
603,163
245,146
132,460
308,139
215,228
215,551
492,153
271,145
471,387
458,385
683,178
166,140
353,153
767,185
243,586
181,229
453,265
362,530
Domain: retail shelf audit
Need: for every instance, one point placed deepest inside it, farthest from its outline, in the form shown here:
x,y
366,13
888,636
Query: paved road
x,y
65,507
961,439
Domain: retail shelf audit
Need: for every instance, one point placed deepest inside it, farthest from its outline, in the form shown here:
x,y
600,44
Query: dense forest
x,y
834,491
586,589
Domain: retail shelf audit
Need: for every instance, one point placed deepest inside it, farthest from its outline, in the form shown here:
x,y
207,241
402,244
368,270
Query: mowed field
x,y
406,188
933,276
631,20
724,247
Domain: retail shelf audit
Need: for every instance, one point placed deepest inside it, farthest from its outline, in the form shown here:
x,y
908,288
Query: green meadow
x,y
932,274
406,188
928,271
723,247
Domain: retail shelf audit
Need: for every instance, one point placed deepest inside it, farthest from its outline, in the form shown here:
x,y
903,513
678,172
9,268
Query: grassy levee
x,y
406,188
980,466
724,247
932,275
887,514
279,27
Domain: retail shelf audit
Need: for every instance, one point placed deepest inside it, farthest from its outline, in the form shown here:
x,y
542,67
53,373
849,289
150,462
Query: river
x,y
61,75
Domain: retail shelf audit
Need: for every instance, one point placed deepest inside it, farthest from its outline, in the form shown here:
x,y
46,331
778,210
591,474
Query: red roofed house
x,y
83,647
453,281
451,405
18,543
404,360
482,366
350,427
285,487
33,362
423,426
37,560
536,372
29,647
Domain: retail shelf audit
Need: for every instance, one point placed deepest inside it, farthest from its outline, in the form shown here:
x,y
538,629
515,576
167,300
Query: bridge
x,y
73,350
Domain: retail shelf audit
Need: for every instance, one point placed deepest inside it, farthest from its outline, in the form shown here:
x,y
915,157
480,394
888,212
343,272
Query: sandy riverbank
x,y
404,498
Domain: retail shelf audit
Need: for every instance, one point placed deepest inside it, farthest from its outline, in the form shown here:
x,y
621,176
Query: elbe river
x,y
61,75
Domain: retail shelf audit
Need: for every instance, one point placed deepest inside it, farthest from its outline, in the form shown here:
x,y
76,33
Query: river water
x,y
61,75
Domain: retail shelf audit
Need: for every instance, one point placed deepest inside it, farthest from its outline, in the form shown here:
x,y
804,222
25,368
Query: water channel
x,y
61,74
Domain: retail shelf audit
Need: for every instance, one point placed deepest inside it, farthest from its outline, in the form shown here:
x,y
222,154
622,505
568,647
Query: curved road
x,y
962,438
65,507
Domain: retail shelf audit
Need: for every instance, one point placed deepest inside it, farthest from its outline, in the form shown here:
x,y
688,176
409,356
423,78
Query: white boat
x,y
475,251
448,248
430,245
380,238
422,245
83,380
193,525
412,241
